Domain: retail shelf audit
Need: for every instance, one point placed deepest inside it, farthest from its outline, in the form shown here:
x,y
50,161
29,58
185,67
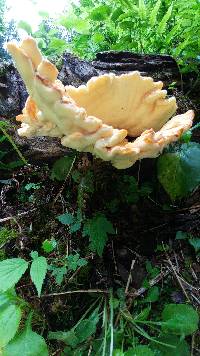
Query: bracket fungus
x,y
98,117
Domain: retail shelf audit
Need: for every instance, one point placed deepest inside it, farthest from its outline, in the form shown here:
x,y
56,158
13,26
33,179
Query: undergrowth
x,y
64,246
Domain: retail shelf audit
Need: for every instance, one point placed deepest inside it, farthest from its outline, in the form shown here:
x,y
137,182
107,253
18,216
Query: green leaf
x,y
139,351
143,315
74,261
154,13
152,295
116,13
142,9
98,229
10,317
27,343
100,13
49,245
97,37
11,271
179,319
34,255
68,337
165,19
179,172
118,352
87,327
181,346
38,272
73,221
195,242
84,329
62,167
58,273
25,26
181,235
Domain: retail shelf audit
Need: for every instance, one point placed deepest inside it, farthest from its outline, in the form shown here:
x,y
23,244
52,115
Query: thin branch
x,y
74,292
130,276
17,216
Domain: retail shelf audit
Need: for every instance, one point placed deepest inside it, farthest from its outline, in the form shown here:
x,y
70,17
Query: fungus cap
x,y
97,117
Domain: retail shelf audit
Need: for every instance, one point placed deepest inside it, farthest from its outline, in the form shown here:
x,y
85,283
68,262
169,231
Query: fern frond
x,y
165,19
154,13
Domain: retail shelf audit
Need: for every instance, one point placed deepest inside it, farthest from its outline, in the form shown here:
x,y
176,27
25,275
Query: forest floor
x,y
148,260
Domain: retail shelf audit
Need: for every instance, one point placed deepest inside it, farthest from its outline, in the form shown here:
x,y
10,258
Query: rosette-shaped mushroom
x,y
100,116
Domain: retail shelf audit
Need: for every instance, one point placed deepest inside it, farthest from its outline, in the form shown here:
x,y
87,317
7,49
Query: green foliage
x,y
49,245
139,351
11,271
6,235
6,141
98,228
74,261
153,26
10,316
12,342
193,241
180,319
181,347
38,272
79,333
152,295
69,263
26,343
73,221
179,170
62,167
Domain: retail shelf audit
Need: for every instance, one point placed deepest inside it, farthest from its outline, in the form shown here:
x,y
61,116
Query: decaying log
x,y
76,72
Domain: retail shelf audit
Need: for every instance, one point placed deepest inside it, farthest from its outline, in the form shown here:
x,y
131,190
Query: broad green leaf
x,y
38,272
11,271
179,172
87,327
139,351
10,317
179,319
195,242
98,229
27,343
62,167
68,337
83,331
181,346
7,298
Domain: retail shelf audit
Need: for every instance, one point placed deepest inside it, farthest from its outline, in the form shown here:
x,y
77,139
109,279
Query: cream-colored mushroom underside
x,y
98,116
128,101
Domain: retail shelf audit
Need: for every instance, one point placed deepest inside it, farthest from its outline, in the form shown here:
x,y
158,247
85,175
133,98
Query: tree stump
x,y
75,72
